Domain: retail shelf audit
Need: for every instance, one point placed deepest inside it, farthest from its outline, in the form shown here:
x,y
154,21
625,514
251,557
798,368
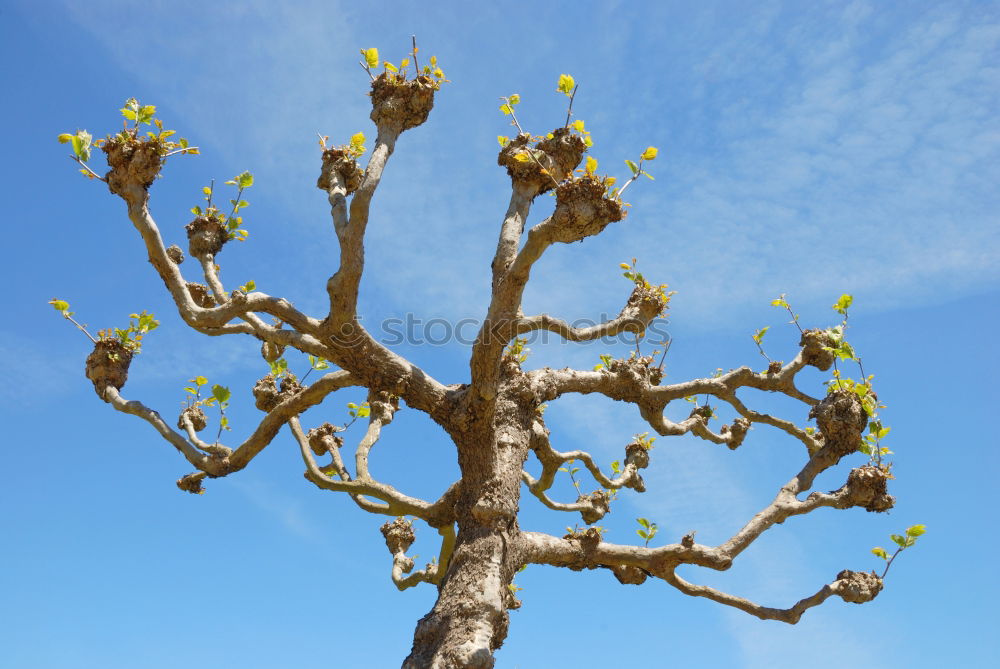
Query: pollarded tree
x,y
495,416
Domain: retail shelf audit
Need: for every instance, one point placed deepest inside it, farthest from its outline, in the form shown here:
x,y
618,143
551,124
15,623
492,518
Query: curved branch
x,y
198,317
432,573
220,460
137,408
790,615
395,502
592,507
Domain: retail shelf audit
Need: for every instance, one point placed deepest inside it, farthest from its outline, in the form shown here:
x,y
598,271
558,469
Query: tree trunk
x,y
469,620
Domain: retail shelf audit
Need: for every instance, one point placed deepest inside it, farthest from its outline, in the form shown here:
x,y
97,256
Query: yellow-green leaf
x,y
649,153
591,165
514,99
578,125
566,84
389,66
65,137
503,140
371,57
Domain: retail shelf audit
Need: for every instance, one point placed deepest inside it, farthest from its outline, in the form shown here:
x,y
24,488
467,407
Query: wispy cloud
x,y
843,148
284,509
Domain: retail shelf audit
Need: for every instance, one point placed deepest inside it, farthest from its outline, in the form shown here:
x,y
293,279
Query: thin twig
x,y
569,112
889,563
367,69
666,348
513,116
186,149
415,64
80,328
628,183
87,167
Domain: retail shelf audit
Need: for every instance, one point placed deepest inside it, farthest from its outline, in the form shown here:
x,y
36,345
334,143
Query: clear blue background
x,y
807,148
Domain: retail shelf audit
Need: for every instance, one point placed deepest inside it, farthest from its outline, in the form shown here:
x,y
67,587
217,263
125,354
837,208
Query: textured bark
x,y
470,620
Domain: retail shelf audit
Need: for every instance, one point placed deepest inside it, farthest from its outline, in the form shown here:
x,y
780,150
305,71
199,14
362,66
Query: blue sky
x,y
805,148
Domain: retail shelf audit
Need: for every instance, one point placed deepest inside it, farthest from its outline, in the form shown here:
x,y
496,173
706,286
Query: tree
x,y
496,417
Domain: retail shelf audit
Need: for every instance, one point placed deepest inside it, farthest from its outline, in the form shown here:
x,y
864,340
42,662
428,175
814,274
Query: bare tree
x,y
494,417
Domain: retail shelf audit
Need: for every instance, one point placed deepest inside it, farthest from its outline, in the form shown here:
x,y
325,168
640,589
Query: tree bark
x,y
469,621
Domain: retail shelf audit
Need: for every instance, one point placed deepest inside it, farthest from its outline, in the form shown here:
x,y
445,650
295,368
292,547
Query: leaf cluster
x,y
647,530
517,350
233,220
131,337
431,74
82,142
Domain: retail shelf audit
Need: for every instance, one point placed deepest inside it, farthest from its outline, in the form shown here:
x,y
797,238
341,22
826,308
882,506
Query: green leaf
x,y
146,113
898,540
916,530
647,175
758,335
390,67
843,303
514,99
371,57
642,533
244,180
81,144
643,522
59,305
278,367
221,393
199,380
503,140
880,552
632,166
318,363
566,84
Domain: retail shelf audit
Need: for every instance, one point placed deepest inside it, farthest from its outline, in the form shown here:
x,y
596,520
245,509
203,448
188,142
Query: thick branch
x,y
582,552
343,285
